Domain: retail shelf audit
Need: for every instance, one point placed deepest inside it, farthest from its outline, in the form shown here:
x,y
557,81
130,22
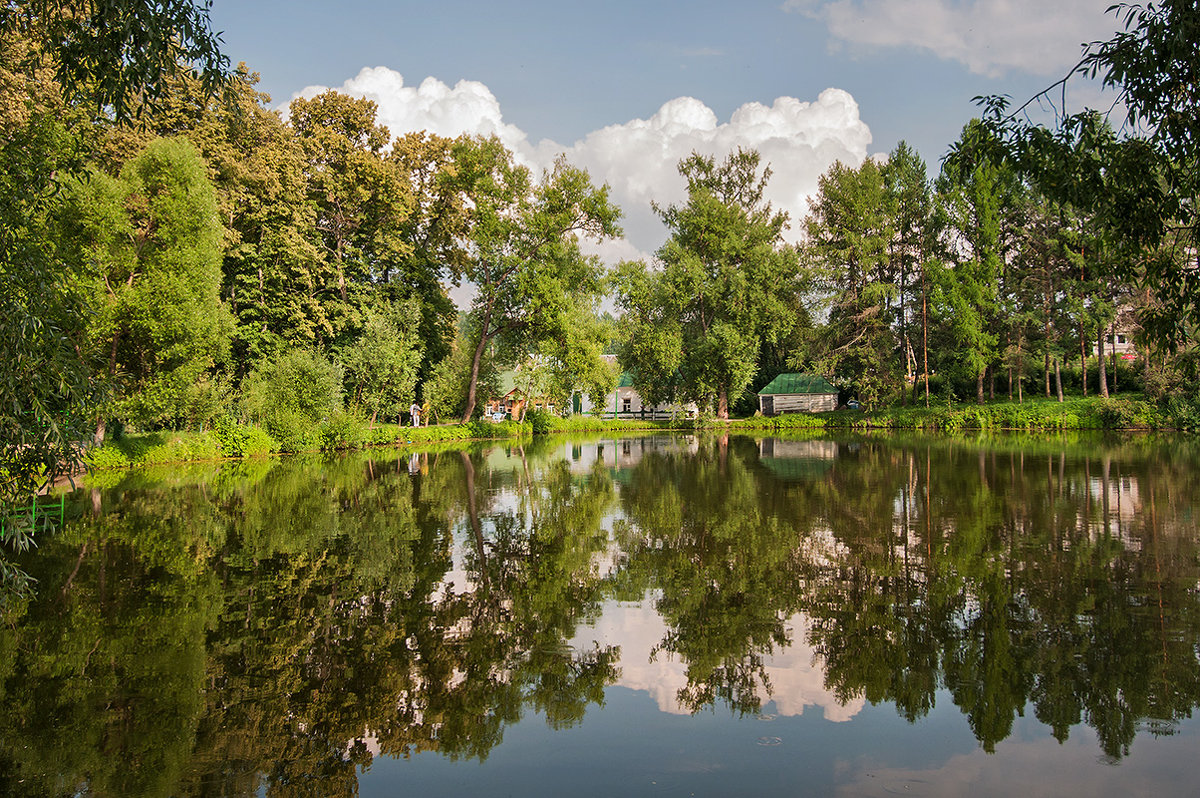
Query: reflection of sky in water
x,y
795,673
629,747
643,741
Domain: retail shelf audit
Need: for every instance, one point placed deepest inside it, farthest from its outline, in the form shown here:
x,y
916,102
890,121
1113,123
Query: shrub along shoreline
x,y
234,440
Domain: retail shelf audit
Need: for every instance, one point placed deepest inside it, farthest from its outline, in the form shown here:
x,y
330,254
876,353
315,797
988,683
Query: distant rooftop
x,y
798,383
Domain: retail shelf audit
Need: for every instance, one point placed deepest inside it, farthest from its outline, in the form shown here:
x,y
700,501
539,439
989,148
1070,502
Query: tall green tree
x,y
850,235
150,243
978,197
1142,184
47,393
360,200
274,272
56,57
724,290
914,243
436,230
523,244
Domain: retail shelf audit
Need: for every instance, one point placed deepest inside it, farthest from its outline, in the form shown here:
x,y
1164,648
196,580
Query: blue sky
x,y
619,86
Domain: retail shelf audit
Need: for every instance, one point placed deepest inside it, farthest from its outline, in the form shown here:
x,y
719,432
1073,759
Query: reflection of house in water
x,y
625,452
1117,495
797,460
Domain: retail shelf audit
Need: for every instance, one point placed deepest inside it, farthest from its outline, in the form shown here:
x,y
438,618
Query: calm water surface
x,y
642,616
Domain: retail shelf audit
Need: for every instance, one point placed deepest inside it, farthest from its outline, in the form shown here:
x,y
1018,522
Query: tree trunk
x,y
979,386
723,404
1103,377
1113,331
1046,328
471,386
1010,369
1058,379
925,336
1144,350
1020,362
1083,358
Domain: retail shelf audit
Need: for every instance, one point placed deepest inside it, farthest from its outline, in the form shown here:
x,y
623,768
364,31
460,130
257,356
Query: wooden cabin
x,y
797,393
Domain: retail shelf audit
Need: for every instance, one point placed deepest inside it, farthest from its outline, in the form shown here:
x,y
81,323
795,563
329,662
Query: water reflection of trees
x,y
1012,578
276,626
1011,575
273,626
724,568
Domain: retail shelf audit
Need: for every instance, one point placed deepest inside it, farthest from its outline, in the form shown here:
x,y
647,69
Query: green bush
x,y
341,431
241,440
540,421
595,422
293,396
1035,414
106,458
153,448
257,443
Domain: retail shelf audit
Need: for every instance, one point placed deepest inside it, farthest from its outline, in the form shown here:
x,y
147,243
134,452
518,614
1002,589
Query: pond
x,y
653,615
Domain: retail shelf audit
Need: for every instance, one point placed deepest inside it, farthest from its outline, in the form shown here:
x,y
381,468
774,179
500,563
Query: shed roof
x,y
798,383
625,380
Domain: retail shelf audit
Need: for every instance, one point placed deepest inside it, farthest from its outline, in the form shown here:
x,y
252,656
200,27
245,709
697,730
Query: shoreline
x,y
1034,416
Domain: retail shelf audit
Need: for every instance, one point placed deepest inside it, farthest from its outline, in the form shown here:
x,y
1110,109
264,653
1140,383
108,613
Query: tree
x,y
382,362
105,51
436,230
523,244
723,292
978,197
151,245
850,234
446,388
576,361
360,200
114,53
652,333
47,394
1142,185
913,244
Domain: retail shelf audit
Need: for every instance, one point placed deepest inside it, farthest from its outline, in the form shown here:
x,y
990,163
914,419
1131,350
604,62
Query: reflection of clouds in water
x,y
1037,767
796,675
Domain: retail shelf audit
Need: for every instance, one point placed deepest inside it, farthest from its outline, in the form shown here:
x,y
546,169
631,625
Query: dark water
x,y
640,616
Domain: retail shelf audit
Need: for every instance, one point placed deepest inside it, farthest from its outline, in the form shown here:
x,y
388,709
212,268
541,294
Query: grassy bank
x,y
1033,415
234,440
237,440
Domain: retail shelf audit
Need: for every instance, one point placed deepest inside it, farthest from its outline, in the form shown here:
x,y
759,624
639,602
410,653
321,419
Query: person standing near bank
x,y
415,411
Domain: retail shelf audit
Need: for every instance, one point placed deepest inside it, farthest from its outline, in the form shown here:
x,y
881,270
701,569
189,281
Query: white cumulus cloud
x,y
800,140
467,107
991,37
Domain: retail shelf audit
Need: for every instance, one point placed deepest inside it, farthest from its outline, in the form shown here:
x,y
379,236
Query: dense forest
x,y
178,255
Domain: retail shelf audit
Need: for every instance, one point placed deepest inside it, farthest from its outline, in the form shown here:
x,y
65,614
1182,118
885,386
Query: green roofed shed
x,y
797,393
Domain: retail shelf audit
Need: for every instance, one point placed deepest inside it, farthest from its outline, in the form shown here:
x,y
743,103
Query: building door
x,y
768,405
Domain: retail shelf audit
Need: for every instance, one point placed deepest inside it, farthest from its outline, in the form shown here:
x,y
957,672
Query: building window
x,y
627,405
